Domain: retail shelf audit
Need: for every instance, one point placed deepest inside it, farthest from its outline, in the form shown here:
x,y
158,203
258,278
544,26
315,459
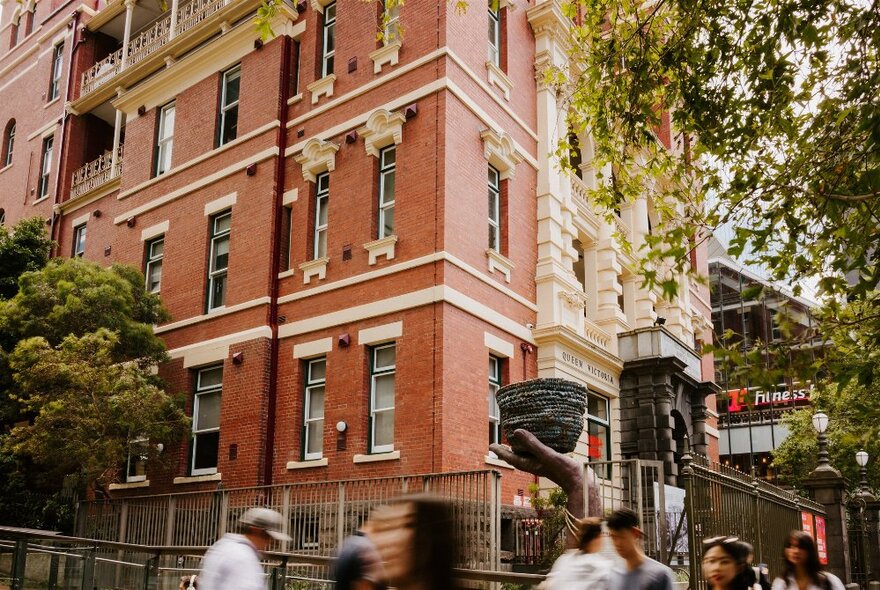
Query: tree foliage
x,y
24,247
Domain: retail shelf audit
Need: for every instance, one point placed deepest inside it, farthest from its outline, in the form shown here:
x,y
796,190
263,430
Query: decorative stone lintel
x,y
322,87
498,78
317,156
387,54
501,153
574,299
381,247
500,263
314,268
382,129
319,5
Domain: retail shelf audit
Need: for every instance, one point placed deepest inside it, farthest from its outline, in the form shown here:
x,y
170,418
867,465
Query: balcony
x,y
95,174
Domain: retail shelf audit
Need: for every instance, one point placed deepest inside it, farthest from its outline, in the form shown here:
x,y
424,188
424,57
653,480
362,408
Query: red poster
x,y
820,540
807,523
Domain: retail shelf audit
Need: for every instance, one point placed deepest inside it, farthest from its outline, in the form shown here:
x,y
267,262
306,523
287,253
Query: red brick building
x,y
313,212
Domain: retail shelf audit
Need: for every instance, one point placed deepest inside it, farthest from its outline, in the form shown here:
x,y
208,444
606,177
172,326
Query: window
x,y
219,260
391,21
29,22
382,368
136,462
155,250
165,141
295,62
322,203
228,128
45,167
305,531
313,409
494,210
206,421
328,39
79,241
387,169
598,432
57,63
8,143
13,38
494,412
494,34
776,332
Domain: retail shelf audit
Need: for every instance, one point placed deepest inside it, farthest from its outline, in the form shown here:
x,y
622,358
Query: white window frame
x,y
387,171
494,34
10,144
328,36
309,424
218,274
46,166
226,108
165,138
322,202
494,412
494,194
57,67
391,18
79,240
153,260
201,391
604,422
135,458
375,372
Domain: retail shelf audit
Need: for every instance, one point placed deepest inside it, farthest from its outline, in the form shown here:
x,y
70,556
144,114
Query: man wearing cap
x,y
233,562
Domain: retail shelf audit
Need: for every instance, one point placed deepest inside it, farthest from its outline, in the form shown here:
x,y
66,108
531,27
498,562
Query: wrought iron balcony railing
x,y
96,173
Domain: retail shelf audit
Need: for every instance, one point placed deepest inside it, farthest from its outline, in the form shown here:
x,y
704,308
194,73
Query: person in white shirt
x,y
802,569
582,568
233,562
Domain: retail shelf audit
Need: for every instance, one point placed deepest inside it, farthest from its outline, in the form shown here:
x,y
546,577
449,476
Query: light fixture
x,y
862,458
820,422
341,426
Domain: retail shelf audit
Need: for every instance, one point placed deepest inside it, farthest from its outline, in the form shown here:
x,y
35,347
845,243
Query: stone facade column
x,y
172,29
827,487
126,36
608,270
117,138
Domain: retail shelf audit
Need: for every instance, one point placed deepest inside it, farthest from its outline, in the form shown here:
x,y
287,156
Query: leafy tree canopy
x,y
24,247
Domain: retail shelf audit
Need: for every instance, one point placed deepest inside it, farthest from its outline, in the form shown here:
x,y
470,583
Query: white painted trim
x,y
81,220
500,263
44,131
129,485
312,348
243,336
214,314
392,456
40,200
77,203
383,247
388,54
322,462
220,204
290,197
322,87
498,78
155,230
497,346
197,478
497,462
380,334
199,159
198,185
287,273
314,268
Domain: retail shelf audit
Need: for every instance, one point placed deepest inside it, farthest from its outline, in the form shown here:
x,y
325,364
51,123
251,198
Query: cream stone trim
x,y
199,159
155,230
319,5
52,102
380,334
322,462
498,78
220,204
44,131
431,295
388,54
5,168
500,150
712,431
317,156
499,263
129,485
81,220
495,462
383,247
197,478
498,346
376,457
198,185
211,315
61,24
40,200
290,197
314,268
313,348
229,339
295,99
382,129
322,87
287,273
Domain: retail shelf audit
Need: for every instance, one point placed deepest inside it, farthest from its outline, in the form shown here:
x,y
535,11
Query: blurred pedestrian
x,y
726,565
416,540
188,582
358,565
581,568
233,562
640,571
801,569
762,572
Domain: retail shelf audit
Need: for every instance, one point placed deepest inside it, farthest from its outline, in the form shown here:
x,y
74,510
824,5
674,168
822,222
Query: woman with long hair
x,y
801,569
583,567
726,565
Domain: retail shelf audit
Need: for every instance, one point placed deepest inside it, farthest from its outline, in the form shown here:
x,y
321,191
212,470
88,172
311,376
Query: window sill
x,y
382,247
392,456
129,485
499,263
388,54
287,273
5,168
314,268
322,462
197,478
295,99
322,87
51,102
40,200
496,462
498,78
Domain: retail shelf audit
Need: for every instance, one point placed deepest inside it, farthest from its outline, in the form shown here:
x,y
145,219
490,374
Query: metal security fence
x,y
720,501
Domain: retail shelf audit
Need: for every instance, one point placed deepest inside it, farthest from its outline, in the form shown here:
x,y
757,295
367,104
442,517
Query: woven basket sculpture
x,y
550,408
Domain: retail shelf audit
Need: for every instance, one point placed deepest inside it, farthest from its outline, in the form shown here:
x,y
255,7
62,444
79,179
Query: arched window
x,y
8,143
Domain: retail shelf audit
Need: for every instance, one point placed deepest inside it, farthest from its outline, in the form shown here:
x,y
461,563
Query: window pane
x,y
323,182
209,411
597,441
315,437
230,125
389,156
233,82
316,403
218,295
222,224
321,245
388,221
331,37
168,122
387,187
154,276
385,357
317,370
210,378
598,407
322,211
493,238
157,248
205,452
221,253
383,391
383,433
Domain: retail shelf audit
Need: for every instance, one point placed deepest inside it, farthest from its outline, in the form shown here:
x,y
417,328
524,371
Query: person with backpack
x,y
801,569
